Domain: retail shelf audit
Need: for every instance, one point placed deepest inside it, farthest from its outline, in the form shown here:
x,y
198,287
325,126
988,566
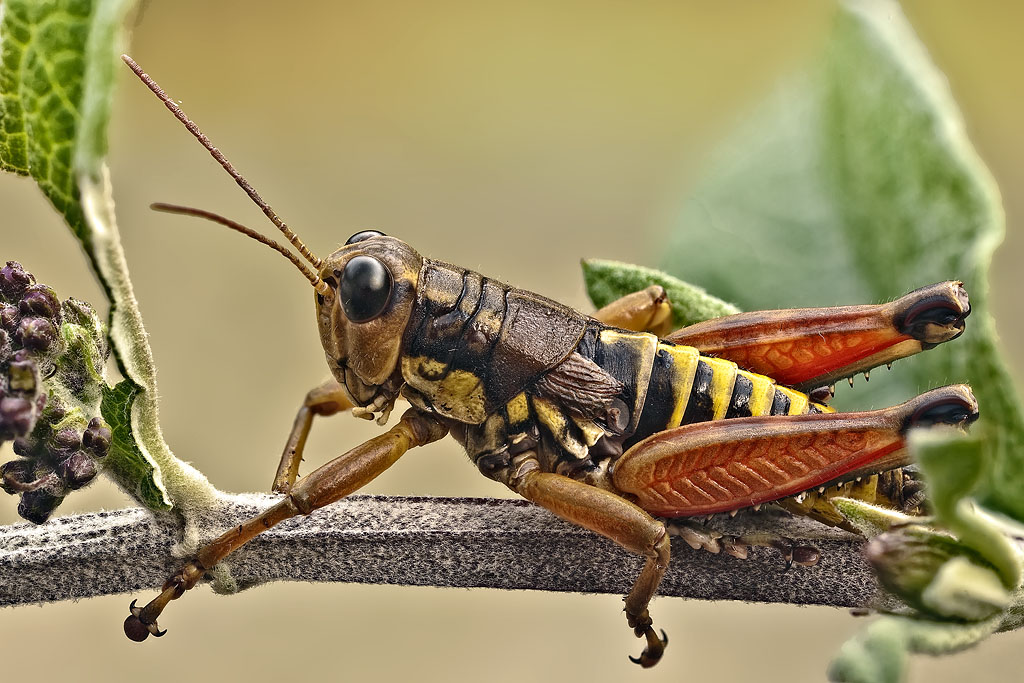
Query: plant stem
x,y
453,542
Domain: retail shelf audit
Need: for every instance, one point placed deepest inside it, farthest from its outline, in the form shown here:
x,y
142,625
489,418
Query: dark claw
x,y
158,633
654,650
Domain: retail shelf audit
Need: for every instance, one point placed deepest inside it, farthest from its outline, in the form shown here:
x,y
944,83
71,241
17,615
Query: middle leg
x,y
621,521
327,399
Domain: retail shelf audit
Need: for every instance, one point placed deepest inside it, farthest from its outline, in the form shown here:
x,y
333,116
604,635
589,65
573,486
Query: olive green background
x,y
512,138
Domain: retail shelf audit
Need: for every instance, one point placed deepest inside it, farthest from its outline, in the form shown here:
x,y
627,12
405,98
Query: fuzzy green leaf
x,y
609,280
58,61
54,97
856,183
878,653
125,461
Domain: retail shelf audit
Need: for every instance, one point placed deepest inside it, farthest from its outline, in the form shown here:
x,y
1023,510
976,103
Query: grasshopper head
x,y
372,281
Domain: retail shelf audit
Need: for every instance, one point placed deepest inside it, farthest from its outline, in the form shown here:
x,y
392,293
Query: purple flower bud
x,y
14,281
37,506
16,417
66,439
40,300
96,438
36,334
77,470
24,447
9,317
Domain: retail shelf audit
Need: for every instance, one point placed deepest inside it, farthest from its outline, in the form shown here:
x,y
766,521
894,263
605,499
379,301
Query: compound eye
x,y
364,235
365,288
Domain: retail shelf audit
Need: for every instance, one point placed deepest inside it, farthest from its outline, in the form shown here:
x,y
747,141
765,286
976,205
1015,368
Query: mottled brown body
x,y
525,383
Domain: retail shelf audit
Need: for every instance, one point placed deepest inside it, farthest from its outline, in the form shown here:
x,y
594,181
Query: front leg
x,y
327,399
621,521
343,475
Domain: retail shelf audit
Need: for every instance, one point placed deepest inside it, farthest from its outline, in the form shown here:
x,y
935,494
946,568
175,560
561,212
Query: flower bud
x,y
36,506
66,440
77,470
35,334
14,280
40,300
9,317
96,438
15,475
908,559
16,417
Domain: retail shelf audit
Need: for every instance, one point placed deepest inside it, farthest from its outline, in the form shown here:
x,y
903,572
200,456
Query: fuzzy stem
x,y
463,542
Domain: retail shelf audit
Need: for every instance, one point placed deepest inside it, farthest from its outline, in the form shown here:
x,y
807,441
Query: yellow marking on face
x,y
684,368
723,380
797,402
762,395
517,409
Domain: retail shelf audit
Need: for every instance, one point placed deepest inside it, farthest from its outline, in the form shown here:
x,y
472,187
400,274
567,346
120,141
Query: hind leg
x,y
806,348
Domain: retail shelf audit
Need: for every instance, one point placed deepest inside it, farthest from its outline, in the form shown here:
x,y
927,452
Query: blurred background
x,y
513,139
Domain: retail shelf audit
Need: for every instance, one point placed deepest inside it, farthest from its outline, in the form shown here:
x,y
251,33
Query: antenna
x,y
318,284
223,161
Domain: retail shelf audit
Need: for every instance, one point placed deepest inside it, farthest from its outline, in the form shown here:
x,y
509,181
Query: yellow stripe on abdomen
x,y
684,367
723,380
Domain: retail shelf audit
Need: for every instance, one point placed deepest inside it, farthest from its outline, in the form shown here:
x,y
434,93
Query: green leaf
x,y
856,183
870,520
58,60
937,574
125,461
52,120
878,653
609,280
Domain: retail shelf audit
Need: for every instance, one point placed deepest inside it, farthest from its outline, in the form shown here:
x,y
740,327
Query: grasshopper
x,y
613,422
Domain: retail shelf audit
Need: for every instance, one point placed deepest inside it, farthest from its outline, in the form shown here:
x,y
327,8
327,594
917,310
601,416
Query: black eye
x,y
364,235
365,288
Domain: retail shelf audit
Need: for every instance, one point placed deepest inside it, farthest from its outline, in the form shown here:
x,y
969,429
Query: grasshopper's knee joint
x,y
424,428
661,550
953,405
934,314
300,502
